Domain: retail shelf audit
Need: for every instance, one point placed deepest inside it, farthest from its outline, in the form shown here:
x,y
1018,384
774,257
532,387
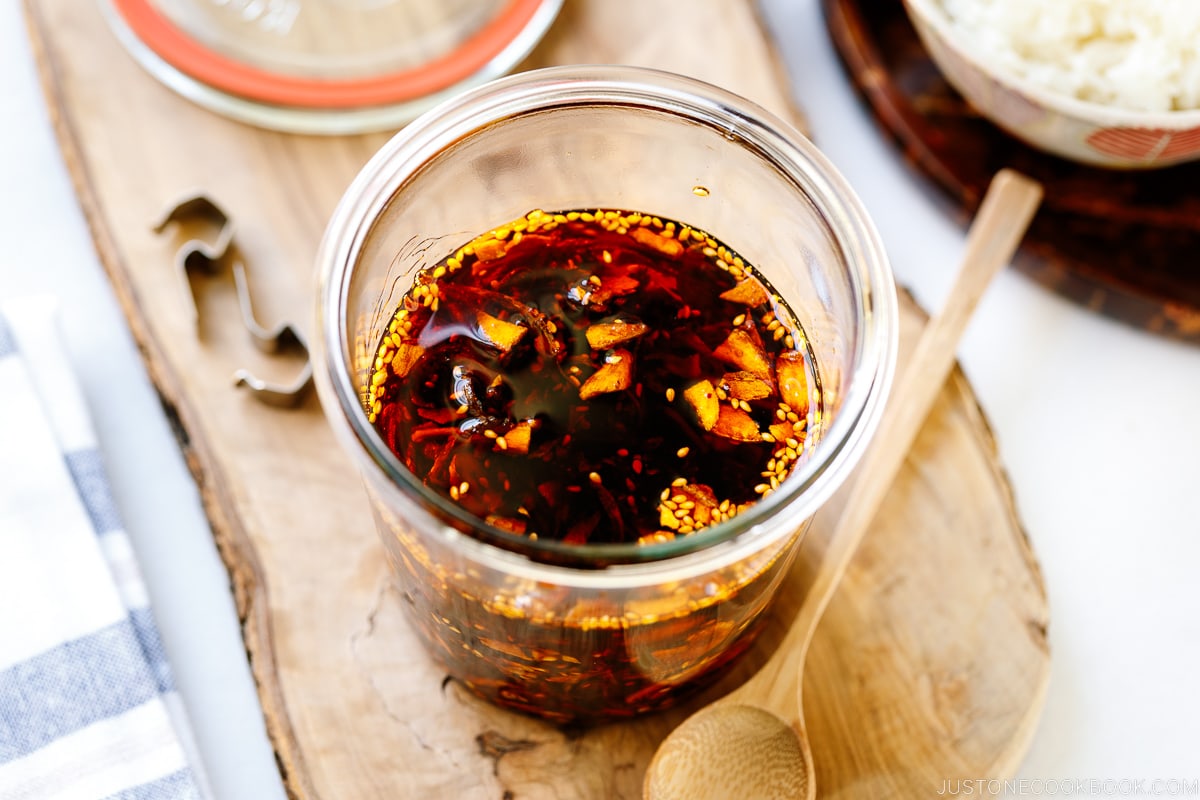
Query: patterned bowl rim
x,y
928,13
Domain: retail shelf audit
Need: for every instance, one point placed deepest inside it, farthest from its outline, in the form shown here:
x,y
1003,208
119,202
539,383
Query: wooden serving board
x,y
1124,243
930,664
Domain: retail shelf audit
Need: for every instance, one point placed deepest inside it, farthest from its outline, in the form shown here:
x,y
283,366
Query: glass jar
x,y
327,66
602,631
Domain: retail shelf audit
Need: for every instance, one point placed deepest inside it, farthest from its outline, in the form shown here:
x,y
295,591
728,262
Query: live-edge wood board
x,y
931,663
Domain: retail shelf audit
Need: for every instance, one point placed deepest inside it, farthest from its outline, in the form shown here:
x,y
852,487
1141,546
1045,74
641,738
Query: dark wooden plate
x,y
1126,244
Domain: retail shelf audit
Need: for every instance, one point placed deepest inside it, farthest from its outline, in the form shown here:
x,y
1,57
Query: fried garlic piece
x,y
702,397
745,385
743,349
604,335
614,375
662,244
749,293
733,423
502,334
406,356
793,380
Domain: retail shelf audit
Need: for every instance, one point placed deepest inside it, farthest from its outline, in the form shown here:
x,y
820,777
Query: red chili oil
x,y
592,377
599,377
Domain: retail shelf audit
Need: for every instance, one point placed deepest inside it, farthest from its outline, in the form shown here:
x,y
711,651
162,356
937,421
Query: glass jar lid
x,y
327,66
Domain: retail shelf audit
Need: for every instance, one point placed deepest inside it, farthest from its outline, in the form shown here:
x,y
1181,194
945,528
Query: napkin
x,y
88,707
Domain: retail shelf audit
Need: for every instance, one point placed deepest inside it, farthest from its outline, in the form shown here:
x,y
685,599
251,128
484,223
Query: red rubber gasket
x,y
190,57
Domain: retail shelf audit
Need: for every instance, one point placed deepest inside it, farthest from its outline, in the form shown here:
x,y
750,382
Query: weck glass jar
x,y
327,66
602,631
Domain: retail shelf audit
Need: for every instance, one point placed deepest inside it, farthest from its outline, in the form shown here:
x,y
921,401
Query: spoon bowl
x,y
707,757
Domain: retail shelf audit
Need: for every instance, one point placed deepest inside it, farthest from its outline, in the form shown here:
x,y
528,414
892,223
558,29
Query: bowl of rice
x,y
1115,83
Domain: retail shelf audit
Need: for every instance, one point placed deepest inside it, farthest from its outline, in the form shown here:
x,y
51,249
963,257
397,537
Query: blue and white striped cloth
x,y
88,708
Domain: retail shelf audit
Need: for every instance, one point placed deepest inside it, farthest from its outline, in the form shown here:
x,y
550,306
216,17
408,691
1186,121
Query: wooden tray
x,y
1126,244
931,663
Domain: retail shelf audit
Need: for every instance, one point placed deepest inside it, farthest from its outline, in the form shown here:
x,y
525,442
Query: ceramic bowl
x,y
1082,131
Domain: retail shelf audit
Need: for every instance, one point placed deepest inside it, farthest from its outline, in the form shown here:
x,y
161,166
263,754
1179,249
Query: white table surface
x,y
1098,425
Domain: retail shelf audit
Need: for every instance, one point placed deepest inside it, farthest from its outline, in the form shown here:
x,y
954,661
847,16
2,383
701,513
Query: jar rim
x,y
811,482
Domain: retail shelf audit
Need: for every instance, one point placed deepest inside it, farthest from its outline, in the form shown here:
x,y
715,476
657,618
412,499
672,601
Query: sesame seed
x,y
739,320
594,477
681,452
670,395
679,482
453,492
501,442
762,488
462,487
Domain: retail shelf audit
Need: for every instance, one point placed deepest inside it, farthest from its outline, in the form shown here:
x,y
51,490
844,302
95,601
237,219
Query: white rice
x,y
1137,54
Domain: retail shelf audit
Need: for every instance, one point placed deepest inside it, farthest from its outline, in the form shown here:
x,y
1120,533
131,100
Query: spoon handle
x,y
999,226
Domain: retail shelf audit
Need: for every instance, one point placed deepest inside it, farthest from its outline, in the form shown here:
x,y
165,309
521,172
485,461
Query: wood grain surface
x,y
1123,243
931,662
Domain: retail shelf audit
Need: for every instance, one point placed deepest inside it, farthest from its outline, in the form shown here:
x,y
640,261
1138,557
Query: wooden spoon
x,y
752,743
